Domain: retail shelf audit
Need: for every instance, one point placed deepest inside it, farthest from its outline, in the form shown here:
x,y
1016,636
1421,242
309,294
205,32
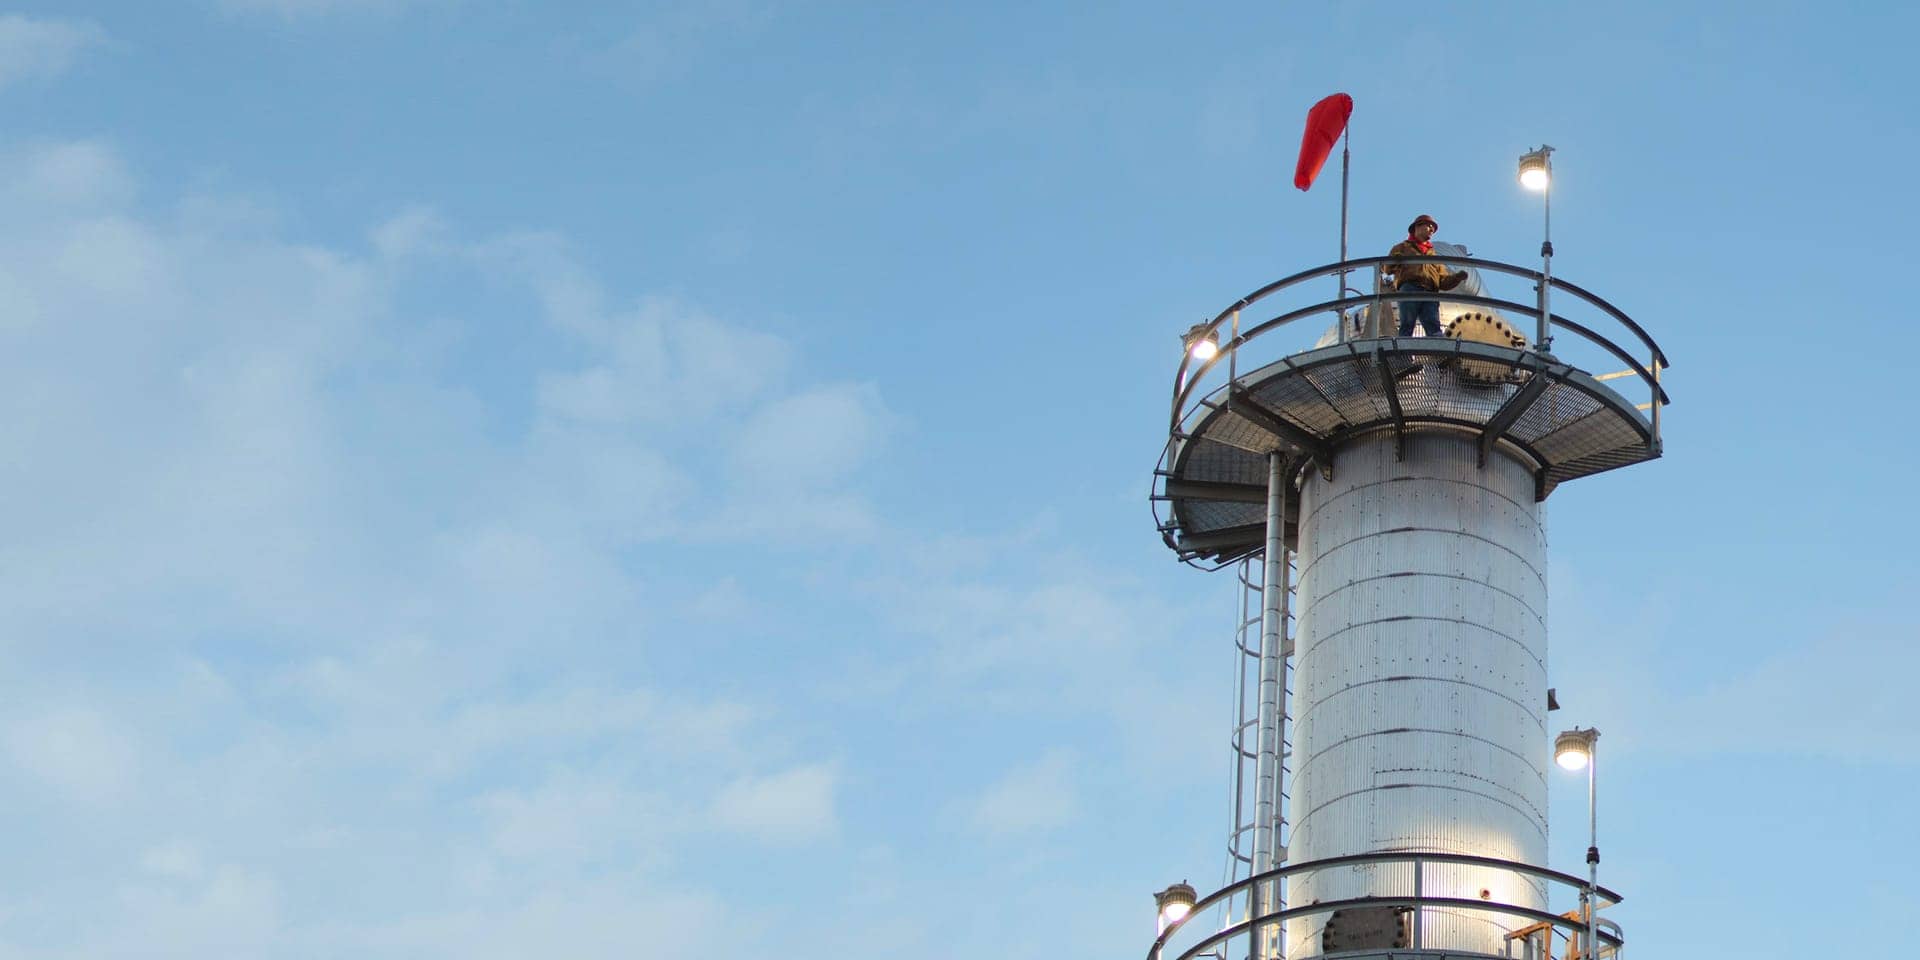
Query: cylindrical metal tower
x,y
1420,677
1407,475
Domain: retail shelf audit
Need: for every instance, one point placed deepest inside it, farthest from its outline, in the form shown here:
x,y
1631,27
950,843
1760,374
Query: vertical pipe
x,y
1272,635
1419,891
1341,294
1544,334
1256,932
1233,355
1656,400
1593,842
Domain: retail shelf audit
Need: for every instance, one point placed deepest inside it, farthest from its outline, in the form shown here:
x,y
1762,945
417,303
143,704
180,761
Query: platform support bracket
x,y
1310,446
1510,412
1393,403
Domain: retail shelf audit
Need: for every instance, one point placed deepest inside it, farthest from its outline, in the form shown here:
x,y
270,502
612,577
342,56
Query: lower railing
x,y
1527,933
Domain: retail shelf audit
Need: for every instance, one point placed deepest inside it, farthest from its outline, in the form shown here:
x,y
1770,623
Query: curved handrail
x,y
1249,885
1186,386
1525,273
1188,376
1614,312
1605,936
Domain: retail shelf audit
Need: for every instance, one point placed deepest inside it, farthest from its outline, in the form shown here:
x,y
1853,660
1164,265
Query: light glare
x,y
1536,169
1573,750
1202,343
1173,903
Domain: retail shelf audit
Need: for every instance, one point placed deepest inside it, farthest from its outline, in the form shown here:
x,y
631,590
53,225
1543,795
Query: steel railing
x,y
1417,900
1647,362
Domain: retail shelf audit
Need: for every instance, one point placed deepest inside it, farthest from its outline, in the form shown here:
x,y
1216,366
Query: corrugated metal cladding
x,y
1420,681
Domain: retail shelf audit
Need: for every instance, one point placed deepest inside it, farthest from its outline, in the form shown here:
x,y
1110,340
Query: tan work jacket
x,y
1428,276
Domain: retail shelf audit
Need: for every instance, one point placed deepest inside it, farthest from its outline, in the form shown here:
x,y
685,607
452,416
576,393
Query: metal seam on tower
x,y
1541,771
1316,645
1304,571
1442,576
1537,719
1355,491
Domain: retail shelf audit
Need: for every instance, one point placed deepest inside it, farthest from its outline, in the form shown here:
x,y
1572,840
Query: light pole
x,y
1536,173
1573,750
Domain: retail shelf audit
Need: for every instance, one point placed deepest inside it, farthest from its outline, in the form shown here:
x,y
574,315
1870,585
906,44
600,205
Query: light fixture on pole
x,y
1575,750
1536,173
1172,905
1201,343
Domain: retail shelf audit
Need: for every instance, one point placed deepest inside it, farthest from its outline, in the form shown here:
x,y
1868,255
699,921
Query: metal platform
x,y
1561,421
1420,887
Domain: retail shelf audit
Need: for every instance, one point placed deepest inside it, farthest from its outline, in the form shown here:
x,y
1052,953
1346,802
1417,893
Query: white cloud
x,y
66,178
415,231
177,859
811,439
616,918
1015,627
790,459
33,49
792,806
1039,796
725,600
75,749
665,44
661,361
230,910
392,633
383,627
1832,695
1830,698
296,9
574,818
408,706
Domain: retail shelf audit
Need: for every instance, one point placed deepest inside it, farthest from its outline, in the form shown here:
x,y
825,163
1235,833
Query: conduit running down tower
x,y
1381,499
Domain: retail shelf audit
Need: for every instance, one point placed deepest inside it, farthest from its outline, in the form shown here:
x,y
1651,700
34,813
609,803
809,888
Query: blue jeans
x,y
1425,311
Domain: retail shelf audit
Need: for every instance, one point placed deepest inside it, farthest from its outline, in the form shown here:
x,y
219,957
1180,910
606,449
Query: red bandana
x,y
1426,246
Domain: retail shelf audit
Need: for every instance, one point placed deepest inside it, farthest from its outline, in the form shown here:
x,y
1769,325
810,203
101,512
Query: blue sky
x,y
498,479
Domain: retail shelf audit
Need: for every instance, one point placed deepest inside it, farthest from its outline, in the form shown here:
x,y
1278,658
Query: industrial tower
x,y
1380,499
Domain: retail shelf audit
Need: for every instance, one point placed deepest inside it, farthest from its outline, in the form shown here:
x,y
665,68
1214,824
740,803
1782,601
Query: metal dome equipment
x,y
1485,328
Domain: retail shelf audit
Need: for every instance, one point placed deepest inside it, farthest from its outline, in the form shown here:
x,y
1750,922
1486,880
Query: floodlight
x,y
1202,344
1536,171
1573,750
1174,903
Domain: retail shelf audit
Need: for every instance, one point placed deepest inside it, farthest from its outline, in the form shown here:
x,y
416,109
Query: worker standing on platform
x,y
1428,277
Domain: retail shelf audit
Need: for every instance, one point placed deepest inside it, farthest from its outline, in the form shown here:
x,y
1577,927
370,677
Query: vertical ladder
x,y
1243,743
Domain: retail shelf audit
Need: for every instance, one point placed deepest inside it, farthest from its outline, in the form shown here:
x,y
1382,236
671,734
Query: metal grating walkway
x,y
1557,419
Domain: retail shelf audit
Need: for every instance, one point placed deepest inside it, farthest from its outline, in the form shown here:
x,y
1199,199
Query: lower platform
x,y
1411,893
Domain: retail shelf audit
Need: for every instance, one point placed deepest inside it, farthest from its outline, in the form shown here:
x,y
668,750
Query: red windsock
x,y
1325,122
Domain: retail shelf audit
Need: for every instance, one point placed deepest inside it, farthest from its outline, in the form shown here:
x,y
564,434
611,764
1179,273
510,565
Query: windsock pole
x,y
1345,137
